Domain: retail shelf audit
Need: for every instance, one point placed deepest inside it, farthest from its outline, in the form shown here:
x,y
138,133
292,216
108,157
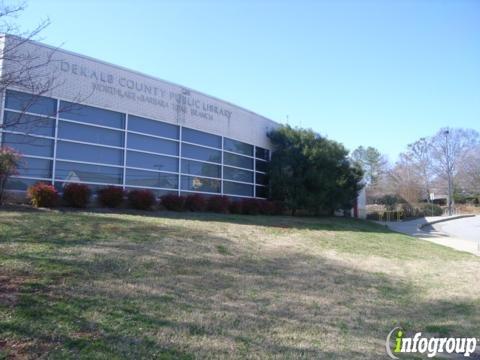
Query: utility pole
x,y
449,170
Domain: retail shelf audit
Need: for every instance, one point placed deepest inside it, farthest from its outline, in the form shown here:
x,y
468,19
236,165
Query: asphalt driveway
x,y
461,234
465,229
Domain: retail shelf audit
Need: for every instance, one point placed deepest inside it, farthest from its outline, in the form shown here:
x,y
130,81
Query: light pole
x,y
449,170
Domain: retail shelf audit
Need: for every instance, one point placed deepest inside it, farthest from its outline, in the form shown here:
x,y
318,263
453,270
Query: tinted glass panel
x,y
262,153
74,172
22,184
32,167
152,127
261,191
237,189
91,134
91,115
152,179
200,168
149,161
157,193
202,138
237,160
29,145
29,124
200,184
261,165
238,147
261,179
31,103
148,143
200,153
60,185
237,174
89,153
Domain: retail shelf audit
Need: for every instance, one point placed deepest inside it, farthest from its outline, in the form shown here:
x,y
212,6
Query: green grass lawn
x,y
164,285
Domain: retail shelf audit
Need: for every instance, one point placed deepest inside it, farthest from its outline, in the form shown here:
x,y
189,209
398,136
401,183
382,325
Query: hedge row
x,y
79,195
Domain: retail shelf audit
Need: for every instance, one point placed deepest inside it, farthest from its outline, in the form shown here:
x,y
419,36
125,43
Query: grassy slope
x,y
197,285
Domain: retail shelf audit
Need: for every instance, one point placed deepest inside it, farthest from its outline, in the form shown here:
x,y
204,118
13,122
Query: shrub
x,y
278,207
110,196
9,162
266,207
142,199
235,207
219,204
195,202
43,195
76,195
251,206
431,209
173,202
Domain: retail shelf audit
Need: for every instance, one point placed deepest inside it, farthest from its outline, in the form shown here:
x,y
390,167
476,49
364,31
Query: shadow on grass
x,y
203,306
119,287
286,222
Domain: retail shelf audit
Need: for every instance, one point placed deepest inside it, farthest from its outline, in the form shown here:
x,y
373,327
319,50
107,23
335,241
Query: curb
x,y
446,219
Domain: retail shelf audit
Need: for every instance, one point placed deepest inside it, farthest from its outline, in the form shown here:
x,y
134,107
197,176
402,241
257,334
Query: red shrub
x,y
278,207
43,195
235,207
76,195
266,207
250,207
141,199
110,196
173,202
218,203
195,202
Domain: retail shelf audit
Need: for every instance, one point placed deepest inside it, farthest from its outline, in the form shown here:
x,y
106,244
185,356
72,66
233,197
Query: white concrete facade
x,y
93,82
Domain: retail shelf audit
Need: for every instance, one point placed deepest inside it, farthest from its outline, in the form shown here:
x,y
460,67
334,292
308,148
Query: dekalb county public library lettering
x,y
106,125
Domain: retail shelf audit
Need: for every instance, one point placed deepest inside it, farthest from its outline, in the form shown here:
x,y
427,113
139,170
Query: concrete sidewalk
x,y
421,230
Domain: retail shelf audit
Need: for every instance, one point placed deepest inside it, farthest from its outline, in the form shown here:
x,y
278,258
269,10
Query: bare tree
x,y
449,149
405,179
468,176
23,69
418,156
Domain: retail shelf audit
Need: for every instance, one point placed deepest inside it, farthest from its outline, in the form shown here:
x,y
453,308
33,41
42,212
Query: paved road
x,y
466,228
460,234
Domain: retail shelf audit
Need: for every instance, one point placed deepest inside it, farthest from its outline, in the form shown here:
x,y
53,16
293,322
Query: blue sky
x,y
379,73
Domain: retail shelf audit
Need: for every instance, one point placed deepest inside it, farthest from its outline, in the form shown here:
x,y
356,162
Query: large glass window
x,y
89,153
201,153
202,138
29,145
30,103
150,161
91,134
151,179
91,115
200,168
237,160
29,124
152,127
237,174
261,178
74,172
238,147
152,144
262,153
195,183
15,183
38,168
232,188
260,165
